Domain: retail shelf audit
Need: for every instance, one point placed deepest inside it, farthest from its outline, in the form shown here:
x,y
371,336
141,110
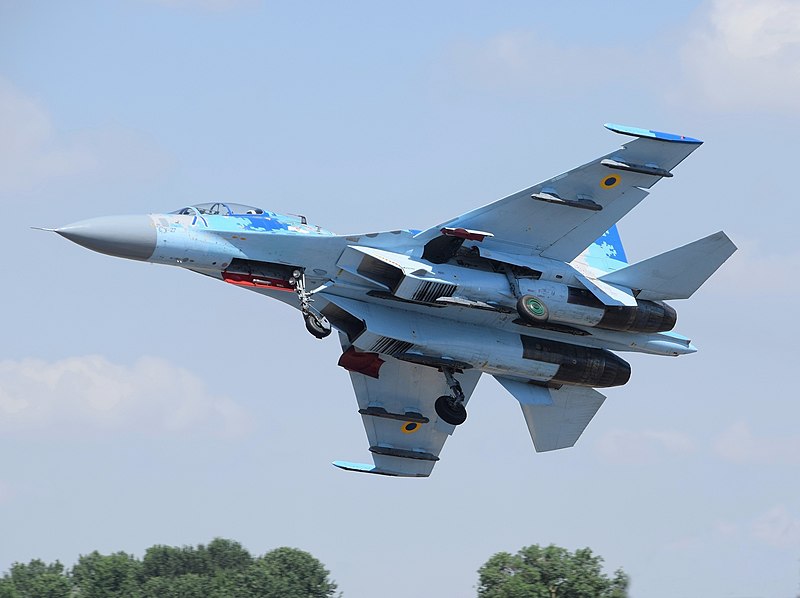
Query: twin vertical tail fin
x,y
611,243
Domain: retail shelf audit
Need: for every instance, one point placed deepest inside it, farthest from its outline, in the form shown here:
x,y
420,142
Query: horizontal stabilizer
x,y
525,392
555,421
678,273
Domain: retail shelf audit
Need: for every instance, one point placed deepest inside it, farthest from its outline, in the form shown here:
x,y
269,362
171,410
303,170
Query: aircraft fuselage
x,y
460,312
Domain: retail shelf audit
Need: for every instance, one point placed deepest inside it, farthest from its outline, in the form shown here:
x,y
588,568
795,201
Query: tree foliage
x,y
107,576
222,569
549,572
289,572
35,580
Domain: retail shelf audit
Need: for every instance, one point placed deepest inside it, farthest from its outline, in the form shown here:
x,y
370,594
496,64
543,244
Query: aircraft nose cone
x,y
132,237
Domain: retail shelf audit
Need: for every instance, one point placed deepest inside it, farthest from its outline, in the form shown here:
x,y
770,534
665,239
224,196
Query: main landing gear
x,y
316,323
451,408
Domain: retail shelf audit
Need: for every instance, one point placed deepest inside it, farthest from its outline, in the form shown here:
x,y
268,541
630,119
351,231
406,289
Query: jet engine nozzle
x,y
647,317
131,237
578,365
555,302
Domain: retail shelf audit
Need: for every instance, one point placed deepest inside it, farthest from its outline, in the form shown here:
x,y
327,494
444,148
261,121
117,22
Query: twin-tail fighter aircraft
x,y
533,289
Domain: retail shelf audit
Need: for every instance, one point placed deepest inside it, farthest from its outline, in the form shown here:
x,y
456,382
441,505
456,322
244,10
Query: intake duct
x,y
400,275
380,271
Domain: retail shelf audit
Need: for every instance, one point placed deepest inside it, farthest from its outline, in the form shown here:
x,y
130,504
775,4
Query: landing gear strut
x,y
451,408
316,323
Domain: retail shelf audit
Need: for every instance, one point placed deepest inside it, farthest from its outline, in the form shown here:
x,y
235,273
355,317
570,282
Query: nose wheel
x,y
317,324
451,408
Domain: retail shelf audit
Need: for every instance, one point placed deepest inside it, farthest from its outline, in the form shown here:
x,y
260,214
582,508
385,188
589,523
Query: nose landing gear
x,y
317,324
451,408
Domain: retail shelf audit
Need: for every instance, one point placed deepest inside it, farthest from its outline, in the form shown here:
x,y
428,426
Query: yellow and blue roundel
x,y
410,427
610,181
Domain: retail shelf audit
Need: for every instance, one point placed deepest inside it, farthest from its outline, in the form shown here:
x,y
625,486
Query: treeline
x,y
224,569
549,572
221,569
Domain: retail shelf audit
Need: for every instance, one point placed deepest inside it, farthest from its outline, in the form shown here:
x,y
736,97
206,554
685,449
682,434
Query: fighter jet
x,y
533,289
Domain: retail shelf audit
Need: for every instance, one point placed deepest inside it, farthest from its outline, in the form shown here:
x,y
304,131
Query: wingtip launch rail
x,y
638,132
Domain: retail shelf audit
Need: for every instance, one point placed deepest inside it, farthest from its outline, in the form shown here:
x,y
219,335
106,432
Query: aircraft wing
x,y
562,216
396,402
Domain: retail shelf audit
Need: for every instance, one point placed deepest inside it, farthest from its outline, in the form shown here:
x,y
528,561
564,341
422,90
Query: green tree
x,y
35,580
190,585
227,555
173,561
107,576
550,572
222,569
287,573
213,571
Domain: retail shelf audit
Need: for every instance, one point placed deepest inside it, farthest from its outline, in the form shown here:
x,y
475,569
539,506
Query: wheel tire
x,y
450,410
532,309
319,328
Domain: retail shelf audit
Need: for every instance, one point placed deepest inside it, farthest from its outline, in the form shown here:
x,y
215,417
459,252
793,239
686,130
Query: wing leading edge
x,y
560,217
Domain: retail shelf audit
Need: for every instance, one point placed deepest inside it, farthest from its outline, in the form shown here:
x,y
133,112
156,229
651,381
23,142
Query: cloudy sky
x,y
141,404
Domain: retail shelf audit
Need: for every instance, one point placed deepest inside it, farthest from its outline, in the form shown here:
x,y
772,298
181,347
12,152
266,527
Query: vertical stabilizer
x,y
607,253
611,244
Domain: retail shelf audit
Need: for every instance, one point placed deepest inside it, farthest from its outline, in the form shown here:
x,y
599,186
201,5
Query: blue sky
x,y
140,404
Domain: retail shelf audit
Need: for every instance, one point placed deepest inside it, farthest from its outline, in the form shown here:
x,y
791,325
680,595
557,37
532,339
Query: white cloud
x,y
6,492
736,54
33,152
772,269
745,54
625,446
777,528
524,61
90,394
726,529
739,445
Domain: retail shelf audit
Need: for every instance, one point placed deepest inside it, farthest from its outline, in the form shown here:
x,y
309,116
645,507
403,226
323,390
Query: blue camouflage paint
x,y
262,223
349,465
269,222
610,245
637,132
606,253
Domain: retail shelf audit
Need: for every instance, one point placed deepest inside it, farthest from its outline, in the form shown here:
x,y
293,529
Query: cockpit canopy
x,y
236,209
221,209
